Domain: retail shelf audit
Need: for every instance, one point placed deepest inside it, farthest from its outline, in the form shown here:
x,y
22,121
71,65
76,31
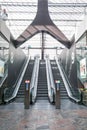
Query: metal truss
x,y
50,4
65,15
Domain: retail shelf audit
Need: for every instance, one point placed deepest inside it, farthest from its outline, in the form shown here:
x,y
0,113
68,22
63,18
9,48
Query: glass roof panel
x,y
66,14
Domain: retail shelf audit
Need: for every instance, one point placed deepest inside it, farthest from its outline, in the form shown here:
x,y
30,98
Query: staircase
x,y
42,91
57,76
27,76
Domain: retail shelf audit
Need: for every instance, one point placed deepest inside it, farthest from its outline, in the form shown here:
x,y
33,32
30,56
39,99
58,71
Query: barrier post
x,y
27,94
57,97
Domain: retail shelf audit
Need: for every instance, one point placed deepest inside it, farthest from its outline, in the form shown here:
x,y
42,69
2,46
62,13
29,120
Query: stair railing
x,y
66,83
34,80
50,81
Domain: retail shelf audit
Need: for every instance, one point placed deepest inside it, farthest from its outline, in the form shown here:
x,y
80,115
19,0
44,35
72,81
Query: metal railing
x,y
50,81
34,80
67,83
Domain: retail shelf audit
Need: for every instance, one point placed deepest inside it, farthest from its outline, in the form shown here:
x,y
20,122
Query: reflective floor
x,y
43,116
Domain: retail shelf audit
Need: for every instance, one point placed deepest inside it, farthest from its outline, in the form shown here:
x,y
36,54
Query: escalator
x,y
42,90
57,76
27,76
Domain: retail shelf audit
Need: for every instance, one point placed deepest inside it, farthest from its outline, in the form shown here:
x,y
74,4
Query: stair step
x,y
42,88
42,91
42,98
42,85
42,95
20,96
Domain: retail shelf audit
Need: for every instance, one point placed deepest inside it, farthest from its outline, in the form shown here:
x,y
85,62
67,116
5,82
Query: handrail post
x,y
27,94
57,97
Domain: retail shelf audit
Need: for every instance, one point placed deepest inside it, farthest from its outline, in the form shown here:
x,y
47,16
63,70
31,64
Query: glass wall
x,y
33,46
4,54
81,52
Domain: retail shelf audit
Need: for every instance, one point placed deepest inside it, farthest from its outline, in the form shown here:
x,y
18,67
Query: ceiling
x,y
66,14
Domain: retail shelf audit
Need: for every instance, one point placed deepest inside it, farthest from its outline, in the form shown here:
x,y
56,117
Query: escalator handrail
x,y
34,79
19,81
66,82
50,81
51,76
4,78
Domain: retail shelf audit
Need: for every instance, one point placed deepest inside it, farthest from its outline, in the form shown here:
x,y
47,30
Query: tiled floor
x,y
43,116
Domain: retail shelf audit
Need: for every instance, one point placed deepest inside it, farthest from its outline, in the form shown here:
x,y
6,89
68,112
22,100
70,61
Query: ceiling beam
x,y
53,13
68,20
50,4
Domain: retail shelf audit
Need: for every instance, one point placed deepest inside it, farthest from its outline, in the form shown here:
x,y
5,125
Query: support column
x,y
42,51
56,51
